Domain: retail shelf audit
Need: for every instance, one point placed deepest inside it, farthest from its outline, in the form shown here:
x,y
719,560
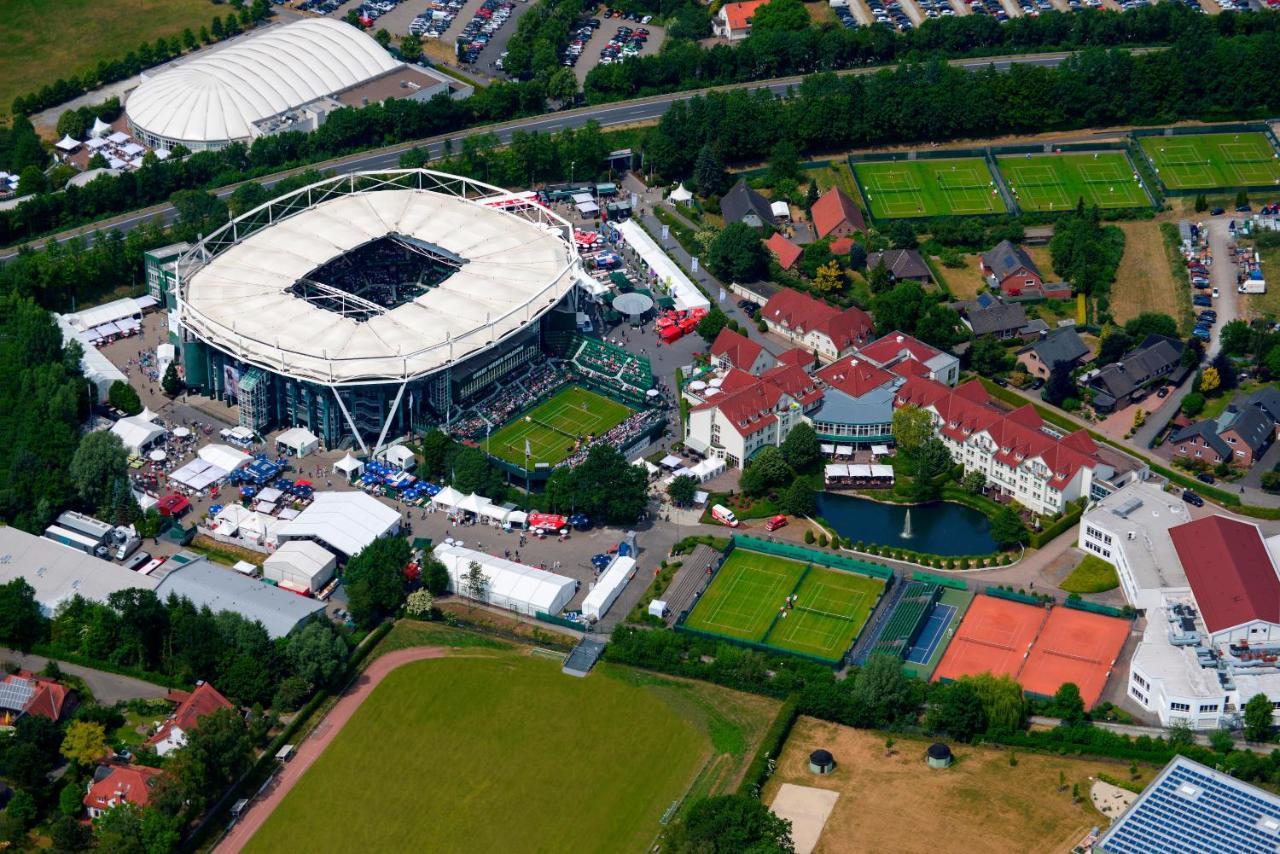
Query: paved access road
x,y
107,688
637,111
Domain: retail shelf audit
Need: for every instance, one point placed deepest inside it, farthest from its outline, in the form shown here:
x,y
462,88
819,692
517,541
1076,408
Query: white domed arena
x,y
368,306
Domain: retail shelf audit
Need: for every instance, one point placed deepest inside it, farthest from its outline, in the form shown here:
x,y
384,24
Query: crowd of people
x,y
612,365
622,435
497,409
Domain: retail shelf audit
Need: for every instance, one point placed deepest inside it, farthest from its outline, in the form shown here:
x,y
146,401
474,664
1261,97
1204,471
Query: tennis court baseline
x,y
961,186
552,427
1207,161
831,609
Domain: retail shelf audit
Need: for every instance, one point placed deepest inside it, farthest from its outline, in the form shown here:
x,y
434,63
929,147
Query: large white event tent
x,y
448,497
684,291
299,440
301,566
137,433
513,586
224,457
346,522
198,475
400,456
608,587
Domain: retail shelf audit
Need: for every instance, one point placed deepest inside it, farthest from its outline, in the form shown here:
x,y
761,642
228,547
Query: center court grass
x,y
498,754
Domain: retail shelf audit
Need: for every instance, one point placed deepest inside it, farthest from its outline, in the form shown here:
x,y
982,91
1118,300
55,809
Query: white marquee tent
x,y
299,440
346,522
608,587
224,457
137,433
684,291
513,586
301,566
447,497
198,475
348,466
399,455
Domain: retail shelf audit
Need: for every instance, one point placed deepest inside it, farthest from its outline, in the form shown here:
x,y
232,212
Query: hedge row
x,y
757,772
1043,537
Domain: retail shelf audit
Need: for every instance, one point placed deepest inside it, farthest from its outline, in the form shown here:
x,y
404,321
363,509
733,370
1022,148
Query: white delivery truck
x,y
724,516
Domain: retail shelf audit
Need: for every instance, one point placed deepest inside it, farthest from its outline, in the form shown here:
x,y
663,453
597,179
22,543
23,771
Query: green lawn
x,y
923,188
1056,182
551,428
1207,161
504,753
1093,575
43,41
745,600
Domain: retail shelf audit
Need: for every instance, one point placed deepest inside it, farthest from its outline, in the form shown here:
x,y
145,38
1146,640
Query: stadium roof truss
x,y
249,290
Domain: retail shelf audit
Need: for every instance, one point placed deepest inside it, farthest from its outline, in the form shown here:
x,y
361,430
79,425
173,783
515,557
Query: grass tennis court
x,y
745,601
1208,161
488,751
552,427
898,189
1055,182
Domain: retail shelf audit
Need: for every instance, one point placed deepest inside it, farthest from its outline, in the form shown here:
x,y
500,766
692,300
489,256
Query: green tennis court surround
x,y
1210,161
1052,183
550,429
903,189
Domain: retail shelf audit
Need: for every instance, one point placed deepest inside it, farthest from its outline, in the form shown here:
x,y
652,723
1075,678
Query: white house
x,y
733,21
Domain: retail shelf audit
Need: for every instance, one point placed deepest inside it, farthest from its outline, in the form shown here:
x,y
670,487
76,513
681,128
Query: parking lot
x,y
607,34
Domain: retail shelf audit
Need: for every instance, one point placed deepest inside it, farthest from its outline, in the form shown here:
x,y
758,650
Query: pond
x,y
939,528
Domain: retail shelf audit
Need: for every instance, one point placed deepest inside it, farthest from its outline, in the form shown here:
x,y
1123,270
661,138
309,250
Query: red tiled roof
x,y
841,245
739,14
122,784
972,390
1026,415
740,350
48,698
796,356
1230,571
909,368
834,208
849,327
853,376
737,380
794,381
784,250
204,700
895,345
750,410
1081,441
749,403
802,314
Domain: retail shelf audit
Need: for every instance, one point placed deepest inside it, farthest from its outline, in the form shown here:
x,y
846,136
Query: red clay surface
x,y
1042,651
261,807
1074,646
994,636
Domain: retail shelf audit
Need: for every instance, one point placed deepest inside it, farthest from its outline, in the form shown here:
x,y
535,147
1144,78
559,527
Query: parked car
x,y
137,561
1217,212
1205,478
1192,499
1202,299
1163,392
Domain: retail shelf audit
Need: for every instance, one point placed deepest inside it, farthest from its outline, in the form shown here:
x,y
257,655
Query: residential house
x,y
815,325
798,356
989,317
120,784
1239,436
733,21
1041,470
733,350
24,693
784,251
910,357
841,246
835,215
751,413
743,204
1157,358
203,701
1061,346
1268,400
904,265
1010,269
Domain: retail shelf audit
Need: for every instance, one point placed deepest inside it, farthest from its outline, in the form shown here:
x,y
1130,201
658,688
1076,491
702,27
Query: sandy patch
x,y
807,809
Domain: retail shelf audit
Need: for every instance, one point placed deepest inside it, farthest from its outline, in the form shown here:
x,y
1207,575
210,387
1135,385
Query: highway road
x,y
622,113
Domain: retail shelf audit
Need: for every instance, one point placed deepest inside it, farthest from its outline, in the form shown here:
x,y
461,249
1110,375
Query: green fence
x,y
1097,608
940,580
557,621
1233,127
804,555
752,645
1012,596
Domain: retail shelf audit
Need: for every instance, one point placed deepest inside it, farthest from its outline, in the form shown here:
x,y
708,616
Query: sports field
x,y
1056,182
552,427
1209,161
747,597
502,752
920,188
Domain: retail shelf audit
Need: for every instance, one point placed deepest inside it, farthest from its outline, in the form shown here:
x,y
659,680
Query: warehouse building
x,y
58,573
300,566
222,589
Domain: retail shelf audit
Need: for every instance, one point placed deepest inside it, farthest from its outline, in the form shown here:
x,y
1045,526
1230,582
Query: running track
x,y
261,807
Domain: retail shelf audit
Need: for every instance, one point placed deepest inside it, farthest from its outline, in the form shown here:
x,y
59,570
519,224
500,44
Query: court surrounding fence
x,y
804,555
1014,596
1263,128
1097,608
940,580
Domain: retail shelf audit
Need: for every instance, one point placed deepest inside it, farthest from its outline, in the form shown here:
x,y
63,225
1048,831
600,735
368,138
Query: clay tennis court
x,y
1042,649
1074,646
994,637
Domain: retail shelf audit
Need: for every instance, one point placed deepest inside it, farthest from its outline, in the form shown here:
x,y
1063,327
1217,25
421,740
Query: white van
x,y
724,516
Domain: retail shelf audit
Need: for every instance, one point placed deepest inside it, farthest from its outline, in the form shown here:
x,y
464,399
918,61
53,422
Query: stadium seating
x,y
904,624
612,366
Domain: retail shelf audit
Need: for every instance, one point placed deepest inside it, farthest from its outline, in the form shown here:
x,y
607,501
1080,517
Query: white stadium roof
x,y
218,96
515,269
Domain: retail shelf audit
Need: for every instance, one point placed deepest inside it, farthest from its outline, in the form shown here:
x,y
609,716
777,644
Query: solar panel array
x,y
15,693
1192,809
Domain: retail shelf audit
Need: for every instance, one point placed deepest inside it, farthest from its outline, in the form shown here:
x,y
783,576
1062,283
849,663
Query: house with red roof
x,y
733,21
1019,457
797,356
24,693
120,784
835,215
815,325
911,357
203,701
784,251
1233,578
734,350
751,413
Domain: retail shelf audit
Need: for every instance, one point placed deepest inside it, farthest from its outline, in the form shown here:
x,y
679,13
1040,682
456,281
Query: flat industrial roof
x,y
58,573
515,270
1153,561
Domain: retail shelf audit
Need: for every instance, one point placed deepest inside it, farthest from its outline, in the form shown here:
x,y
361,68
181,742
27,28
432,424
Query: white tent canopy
x,y
448,497
299,440
224,457
198,475
67,143
100,128
347,522
300,565
602,596
680,195
473,503
399,455
685,293
349,466
137,433
514,586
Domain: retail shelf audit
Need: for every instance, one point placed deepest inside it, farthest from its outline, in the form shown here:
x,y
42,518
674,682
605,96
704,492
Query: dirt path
x,y
307,753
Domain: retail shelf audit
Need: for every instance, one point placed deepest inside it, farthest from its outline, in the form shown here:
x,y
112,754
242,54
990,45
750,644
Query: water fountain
x,y
906,528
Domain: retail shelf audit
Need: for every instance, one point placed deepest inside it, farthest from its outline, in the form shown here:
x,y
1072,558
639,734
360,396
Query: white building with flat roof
x,y
1129,529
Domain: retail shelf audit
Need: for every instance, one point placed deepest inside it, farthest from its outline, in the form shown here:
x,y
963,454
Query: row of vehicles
x,y
436,18
625,44
102,540
578,41
479,31
889,12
